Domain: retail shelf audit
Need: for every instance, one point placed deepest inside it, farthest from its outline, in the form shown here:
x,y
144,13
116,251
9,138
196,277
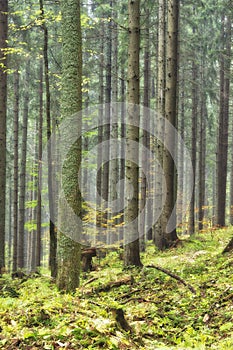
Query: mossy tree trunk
x,y
69,251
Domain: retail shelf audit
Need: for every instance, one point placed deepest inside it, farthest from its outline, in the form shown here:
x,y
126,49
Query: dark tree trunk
x,y
225,64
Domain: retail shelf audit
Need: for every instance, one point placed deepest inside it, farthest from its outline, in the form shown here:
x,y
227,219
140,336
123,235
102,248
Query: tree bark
x,y
16,169
191,228
52,229
145,136
161,78
69,251
202,157
170,235
132,256
23,168
222,153
3,112
40,144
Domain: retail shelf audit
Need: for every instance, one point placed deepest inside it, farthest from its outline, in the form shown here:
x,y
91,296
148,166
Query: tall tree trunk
x,y
161,70
69,251
132,256
231,181
22,179
145,136
225,64
114,151
202,156
168,215
10,236
100,135
181,177
107,127
40,144
3,111
122,152
16,169
52,229
194,144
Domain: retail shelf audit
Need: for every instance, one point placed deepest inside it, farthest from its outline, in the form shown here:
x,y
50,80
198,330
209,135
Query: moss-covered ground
x,y
161,312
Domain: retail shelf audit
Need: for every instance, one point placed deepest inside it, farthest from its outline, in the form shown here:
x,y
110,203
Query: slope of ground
x,y
147,309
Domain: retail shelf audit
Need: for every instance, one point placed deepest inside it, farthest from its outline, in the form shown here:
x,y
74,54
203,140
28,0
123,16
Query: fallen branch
x,y
112,284
173,275
89,281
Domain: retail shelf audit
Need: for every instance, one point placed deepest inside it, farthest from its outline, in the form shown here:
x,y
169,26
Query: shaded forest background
x,y
203,116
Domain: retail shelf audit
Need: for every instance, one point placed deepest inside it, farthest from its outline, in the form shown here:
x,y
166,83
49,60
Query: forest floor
x,y
160,312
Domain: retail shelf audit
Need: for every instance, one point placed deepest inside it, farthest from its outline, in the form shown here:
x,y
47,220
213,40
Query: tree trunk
x,y
132,256
194,144
181,177
40,144
225,64
114,152
161,68
69,251
202,158
16,169
106,127
122,154
145,136
3,112
100,135
52,229
168,215
22,179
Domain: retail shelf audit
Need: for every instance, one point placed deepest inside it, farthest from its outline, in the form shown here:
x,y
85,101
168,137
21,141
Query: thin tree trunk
x,y
22,179
194,145
161,70
100,135
122,153
231,179
107,128
202,160
114,151
3,112
225,64
52,230
145,137
40,141
181,177
10,236
16,170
